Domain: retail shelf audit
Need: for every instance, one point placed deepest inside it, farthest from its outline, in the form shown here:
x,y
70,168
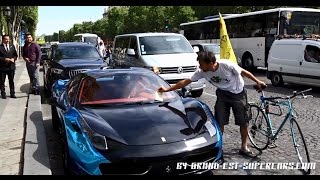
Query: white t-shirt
x,y
227,77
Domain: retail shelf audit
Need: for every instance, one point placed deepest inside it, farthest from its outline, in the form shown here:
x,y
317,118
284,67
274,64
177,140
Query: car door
x,y
45,65
309,68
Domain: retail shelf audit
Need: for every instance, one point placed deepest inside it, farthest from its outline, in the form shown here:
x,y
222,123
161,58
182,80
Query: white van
x,y
294,61
168,54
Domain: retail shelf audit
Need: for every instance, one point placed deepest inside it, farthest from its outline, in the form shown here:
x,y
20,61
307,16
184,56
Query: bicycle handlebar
x,y
295,93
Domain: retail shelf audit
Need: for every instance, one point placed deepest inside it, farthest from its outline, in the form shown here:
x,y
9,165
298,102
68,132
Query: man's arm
x,y
15,54
252,77
38,54
179,85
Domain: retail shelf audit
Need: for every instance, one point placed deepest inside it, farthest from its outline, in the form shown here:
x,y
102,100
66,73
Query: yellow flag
x,y
226,51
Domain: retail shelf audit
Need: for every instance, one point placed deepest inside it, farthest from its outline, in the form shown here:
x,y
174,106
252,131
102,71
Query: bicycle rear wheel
x,y
258,128
300,146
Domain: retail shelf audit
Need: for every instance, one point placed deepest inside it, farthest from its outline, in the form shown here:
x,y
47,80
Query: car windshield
x,y
77,52
124,88
151,45
215,49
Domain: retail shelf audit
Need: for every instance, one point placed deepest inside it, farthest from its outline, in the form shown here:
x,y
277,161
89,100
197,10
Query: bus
x,y
87,37
253,33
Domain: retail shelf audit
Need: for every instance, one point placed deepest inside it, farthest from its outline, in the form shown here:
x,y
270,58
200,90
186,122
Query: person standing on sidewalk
x,y
32,55
8,57
227,77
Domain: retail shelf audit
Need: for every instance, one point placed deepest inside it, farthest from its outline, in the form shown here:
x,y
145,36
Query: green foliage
x,y
134,19
30,17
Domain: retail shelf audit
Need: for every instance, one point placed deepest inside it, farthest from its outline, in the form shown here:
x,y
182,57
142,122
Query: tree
x,y
27,13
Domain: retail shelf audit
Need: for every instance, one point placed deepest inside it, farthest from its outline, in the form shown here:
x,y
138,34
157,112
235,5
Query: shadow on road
x,y
25,88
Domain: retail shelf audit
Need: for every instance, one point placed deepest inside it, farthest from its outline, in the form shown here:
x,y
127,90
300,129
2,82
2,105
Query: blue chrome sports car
x,y
113,121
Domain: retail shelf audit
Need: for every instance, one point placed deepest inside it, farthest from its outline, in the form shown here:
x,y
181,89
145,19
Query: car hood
x,y
171,60
147,124
80,62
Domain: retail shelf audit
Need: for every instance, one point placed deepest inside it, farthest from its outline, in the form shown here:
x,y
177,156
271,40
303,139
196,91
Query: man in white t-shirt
x,y
227,77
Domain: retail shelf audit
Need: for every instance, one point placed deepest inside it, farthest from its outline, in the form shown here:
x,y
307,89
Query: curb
x,y
36,157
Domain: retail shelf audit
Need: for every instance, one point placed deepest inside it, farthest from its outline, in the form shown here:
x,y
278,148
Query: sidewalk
x,y
20,129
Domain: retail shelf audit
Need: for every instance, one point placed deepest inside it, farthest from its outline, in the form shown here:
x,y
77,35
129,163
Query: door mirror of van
x,y
196,49
131,52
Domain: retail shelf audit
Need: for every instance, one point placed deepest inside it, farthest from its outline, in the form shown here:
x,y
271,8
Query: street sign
x,y
22,39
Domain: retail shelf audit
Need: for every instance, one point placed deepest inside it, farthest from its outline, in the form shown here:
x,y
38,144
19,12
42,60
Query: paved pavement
x,y
23,148
308,119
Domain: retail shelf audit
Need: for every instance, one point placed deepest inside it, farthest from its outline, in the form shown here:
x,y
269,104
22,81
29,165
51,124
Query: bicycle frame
x,y
265,103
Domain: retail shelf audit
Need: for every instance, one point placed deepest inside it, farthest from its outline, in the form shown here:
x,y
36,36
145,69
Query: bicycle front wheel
x,y
258,128
300,146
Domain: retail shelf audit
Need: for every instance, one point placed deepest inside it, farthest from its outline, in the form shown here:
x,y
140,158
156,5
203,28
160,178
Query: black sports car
x,y
113,121
65,60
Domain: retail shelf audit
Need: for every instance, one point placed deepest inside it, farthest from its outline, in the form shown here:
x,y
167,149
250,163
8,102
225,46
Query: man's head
x,y
29,38
206,60
5,39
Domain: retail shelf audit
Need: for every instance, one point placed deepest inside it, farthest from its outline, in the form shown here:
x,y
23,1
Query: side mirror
x,y
53,102
131,52
196,49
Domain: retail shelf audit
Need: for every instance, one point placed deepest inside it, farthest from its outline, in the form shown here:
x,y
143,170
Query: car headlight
x,y
57,71
97,140
210,128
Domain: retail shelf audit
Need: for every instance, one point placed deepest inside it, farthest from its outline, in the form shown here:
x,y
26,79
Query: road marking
x,y
209,94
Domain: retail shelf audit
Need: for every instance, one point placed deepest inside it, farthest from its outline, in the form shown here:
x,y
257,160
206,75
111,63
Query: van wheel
x,y
276,79
247,63
196,93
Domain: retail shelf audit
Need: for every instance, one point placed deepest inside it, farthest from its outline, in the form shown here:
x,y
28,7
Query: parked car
x,y
294,60
44,54
168,54
113,121
65,60
210,47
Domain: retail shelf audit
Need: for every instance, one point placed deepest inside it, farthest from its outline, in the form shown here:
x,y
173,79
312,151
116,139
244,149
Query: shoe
x,y
247,153
3,96
13,96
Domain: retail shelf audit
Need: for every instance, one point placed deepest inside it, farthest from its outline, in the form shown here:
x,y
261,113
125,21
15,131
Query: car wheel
x,y
65,154
55,119
276,79
196,93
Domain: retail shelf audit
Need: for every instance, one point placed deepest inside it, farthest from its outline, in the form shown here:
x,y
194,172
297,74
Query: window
x,y
150,45
77,52
312,54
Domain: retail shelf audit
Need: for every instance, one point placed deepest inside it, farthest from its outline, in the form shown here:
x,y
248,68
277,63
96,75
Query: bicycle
x,y
261,124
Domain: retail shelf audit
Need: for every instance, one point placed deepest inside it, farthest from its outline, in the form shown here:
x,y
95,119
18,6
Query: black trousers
x,y
3,75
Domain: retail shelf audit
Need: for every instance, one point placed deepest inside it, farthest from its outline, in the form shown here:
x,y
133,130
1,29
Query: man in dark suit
x,y
8,57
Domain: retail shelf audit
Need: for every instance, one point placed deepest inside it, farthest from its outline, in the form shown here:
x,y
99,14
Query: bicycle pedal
x,y
272,145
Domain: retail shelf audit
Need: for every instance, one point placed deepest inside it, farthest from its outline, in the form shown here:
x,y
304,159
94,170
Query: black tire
x,y
276,79
300,145
55,119
65,154
196,93
259,130
247,63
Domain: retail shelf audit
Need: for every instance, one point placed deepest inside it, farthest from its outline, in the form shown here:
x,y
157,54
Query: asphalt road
x,y
308,119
